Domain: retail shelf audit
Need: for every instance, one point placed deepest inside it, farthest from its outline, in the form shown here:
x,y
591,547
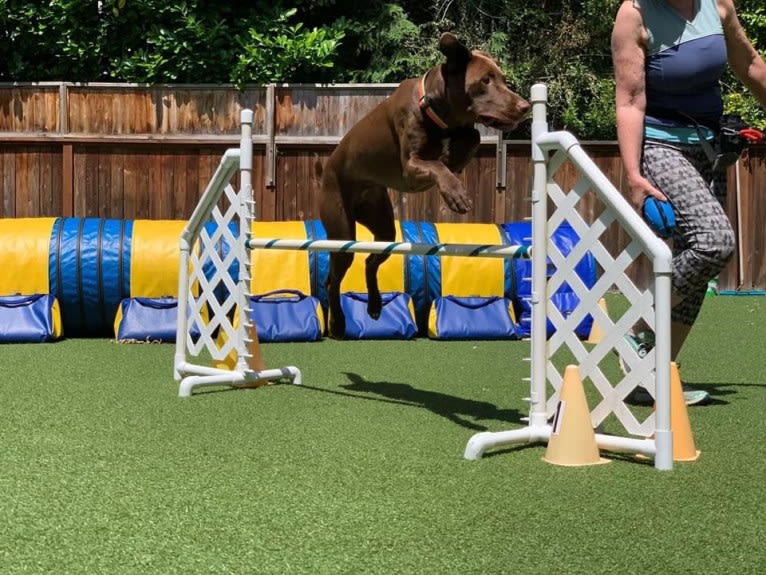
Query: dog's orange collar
x,y
425,105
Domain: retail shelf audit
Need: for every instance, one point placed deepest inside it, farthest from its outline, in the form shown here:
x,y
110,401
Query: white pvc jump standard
x,y
544,144
539,430
189,374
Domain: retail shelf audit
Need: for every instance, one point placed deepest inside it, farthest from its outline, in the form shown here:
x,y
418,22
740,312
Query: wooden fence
x,y
141,152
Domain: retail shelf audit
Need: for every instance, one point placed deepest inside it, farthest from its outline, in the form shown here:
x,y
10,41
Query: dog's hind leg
x,y
377,215
339,264
339,225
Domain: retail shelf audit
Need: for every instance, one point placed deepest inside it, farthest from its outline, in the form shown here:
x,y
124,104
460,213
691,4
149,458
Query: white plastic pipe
x,y
465,250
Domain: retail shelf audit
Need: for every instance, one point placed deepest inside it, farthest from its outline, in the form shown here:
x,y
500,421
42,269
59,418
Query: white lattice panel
x,y
215,258
612,277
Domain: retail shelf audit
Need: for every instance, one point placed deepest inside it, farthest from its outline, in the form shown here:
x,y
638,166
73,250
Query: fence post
x,y
271,147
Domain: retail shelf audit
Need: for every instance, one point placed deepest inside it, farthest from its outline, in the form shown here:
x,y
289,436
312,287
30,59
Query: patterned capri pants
x,y
703,242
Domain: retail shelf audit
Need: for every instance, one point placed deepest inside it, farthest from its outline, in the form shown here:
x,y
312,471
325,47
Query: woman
x,y
669,56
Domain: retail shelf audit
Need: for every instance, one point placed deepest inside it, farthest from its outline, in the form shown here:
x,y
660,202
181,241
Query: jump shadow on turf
x,y
461,411
719,390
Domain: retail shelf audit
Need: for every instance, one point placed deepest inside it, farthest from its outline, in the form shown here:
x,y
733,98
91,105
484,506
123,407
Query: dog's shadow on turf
x,y
459,410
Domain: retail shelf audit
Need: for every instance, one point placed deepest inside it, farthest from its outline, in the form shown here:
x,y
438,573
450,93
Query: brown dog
x,y
419,137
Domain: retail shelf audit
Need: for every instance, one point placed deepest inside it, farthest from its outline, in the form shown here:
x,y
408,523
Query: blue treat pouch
x,y
659,215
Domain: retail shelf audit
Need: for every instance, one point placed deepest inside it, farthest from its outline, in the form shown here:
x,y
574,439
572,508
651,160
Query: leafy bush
x,y
277,51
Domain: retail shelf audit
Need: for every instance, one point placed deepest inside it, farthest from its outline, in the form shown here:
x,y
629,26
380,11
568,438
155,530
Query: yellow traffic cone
x,y
573,441
596,331
684,448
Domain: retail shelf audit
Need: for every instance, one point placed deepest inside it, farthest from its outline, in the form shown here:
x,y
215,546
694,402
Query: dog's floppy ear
x,y
456,52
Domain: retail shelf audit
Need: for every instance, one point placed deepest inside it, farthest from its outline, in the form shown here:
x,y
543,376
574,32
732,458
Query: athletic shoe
x,y
641,396
642,343
695,396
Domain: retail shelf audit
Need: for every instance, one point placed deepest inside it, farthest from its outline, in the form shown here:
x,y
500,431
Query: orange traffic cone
x,y
255,361
684,448
596,331
573,441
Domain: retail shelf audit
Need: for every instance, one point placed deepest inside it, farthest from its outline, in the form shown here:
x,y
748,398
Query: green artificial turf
x,y
103,469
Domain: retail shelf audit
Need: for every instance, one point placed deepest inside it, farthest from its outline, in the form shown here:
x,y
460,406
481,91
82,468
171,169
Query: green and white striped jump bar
x,y
464,250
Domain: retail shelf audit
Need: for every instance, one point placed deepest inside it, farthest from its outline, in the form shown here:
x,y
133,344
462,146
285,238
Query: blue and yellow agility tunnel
x,y
97,270
89,265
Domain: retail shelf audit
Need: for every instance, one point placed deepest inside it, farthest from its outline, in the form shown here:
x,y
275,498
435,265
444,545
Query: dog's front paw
x,y
374,306
457,200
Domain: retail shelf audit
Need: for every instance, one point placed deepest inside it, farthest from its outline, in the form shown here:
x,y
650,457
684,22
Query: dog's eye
x,y
488,79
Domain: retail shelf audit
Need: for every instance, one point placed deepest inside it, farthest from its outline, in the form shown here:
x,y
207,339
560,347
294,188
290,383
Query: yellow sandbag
x,y
24,251
154,258
464,277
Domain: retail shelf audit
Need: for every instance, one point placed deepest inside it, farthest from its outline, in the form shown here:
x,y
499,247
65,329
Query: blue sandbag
x,y
462,318
29,319
150,320
396,319
287,315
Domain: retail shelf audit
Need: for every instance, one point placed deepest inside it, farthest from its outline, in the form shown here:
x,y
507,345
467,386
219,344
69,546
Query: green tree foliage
x,y
283,50
752,14
155,41
564,43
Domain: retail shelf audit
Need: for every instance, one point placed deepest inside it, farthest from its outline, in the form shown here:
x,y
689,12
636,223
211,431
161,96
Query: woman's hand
x,y
639,188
